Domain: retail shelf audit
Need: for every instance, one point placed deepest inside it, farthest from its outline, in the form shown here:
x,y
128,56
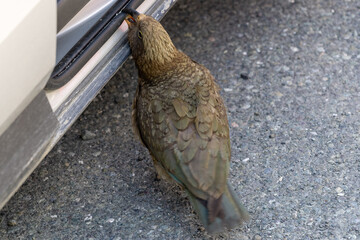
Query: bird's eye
x,y
131,19
140,35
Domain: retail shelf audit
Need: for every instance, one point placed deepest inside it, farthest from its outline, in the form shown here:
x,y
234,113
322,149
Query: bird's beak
x,y
132,16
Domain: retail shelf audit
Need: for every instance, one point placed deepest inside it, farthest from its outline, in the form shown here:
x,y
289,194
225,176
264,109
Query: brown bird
x,y
179,115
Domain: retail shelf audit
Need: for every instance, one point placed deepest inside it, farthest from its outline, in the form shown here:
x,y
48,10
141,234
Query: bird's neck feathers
x,y
158,57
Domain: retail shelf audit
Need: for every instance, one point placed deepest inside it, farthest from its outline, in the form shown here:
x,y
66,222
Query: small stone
x,y
245,160
12,223
348,36
340,191
110,220
294,49
166,228
188,34
272,135
278,94
228,89
257,237
96,154
320,49
345,56
87,135
285,68
126,95
244,76
287,81
212,39
67,164
88,218
246,106
234,124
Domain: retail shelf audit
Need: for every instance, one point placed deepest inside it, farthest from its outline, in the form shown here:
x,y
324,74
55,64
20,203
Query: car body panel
x,y
20,79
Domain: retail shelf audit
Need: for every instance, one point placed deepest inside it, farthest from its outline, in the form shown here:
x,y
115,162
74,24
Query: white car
x,y
55,56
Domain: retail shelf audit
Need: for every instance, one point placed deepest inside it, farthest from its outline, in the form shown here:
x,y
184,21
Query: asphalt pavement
x,y
290,74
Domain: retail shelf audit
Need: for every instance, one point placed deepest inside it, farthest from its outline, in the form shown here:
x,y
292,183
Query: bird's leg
x,y
160,171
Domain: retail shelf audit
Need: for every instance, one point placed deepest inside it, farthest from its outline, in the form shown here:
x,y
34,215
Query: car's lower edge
x,y
23,144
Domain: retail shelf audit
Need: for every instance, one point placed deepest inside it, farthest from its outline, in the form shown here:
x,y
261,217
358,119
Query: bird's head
x,y
150,44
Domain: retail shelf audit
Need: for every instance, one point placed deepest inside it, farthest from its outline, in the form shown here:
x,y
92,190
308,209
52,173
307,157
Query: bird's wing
x,y
134,116
197,151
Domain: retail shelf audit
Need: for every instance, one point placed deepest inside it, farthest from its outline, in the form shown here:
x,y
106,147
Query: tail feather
x,y
214,208
216,214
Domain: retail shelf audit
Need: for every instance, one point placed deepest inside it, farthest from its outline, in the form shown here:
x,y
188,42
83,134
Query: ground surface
x,y
290,75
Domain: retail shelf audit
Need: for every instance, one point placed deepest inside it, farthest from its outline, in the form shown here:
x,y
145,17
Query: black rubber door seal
x,y
88,45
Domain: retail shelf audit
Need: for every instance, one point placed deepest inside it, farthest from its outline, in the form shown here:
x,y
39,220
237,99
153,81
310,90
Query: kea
x,y
180,117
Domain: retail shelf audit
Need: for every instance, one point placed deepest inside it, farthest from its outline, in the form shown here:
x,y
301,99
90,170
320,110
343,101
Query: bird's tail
x,y
216,214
